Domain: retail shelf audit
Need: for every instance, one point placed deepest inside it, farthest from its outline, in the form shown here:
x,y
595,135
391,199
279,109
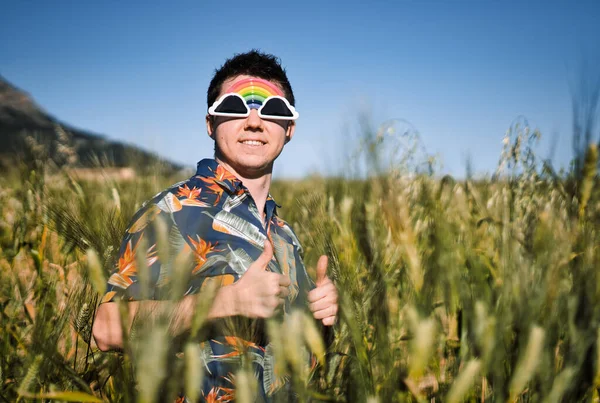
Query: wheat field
x,y
471,289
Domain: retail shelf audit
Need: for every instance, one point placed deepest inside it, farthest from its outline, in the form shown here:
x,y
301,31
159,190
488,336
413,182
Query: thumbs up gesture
x,y
258,293
323,299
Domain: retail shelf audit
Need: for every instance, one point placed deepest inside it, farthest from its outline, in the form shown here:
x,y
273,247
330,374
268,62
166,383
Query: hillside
x,y
20,116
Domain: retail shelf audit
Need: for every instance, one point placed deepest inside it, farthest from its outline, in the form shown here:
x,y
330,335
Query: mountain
x,y
21,117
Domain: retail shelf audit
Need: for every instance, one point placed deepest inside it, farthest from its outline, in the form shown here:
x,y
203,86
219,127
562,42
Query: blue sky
x,y
459,71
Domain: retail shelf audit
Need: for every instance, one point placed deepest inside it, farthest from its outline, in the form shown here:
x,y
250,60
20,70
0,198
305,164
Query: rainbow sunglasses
x,y
254,93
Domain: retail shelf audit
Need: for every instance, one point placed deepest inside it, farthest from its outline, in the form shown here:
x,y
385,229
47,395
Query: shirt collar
x,y
210,168
271,207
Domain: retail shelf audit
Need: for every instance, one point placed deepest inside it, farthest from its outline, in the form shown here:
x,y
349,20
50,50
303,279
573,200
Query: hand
x,y
323,299
258,293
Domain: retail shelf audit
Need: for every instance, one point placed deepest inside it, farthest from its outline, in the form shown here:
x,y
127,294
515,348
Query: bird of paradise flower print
x,y
238,346
201,248
218,182
185,191
228,393
212,216
212,396
191,197
127,266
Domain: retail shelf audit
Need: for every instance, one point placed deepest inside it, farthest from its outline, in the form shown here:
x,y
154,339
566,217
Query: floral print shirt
x,y
213,215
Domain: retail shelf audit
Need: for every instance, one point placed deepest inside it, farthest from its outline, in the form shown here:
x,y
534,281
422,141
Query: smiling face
x,y
250,145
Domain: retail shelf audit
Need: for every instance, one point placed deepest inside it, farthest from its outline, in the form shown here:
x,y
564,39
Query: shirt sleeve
x,y
139,245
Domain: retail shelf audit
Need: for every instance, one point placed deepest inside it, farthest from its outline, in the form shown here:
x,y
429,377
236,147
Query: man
x,y
226,217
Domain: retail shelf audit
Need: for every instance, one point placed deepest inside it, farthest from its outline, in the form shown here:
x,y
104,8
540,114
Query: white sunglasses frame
x,y
212,109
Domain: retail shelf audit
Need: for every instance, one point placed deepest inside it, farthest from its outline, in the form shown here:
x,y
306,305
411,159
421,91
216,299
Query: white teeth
x,y
253,142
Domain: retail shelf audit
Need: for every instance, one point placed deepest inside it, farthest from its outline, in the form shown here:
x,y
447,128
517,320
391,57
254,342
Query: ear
x,y
289,131
209,126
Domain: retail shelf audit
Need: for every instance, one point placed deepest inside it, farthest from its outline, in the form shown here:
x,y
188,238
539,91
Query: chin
x,y
254,163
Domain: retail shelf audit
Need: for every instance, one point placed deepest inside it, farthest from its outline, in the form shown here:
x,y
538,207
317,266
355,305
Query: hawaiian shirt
x,y
213,215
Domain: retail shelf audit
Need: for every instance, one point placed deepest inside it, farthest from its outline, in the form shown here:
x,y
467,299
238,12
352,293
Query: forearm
x,y
108,333
107,329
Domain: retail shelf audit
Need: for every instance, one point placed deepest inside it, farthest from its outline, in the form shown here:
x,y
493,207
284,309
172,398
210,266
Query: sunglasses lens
x,y
277,108
232,104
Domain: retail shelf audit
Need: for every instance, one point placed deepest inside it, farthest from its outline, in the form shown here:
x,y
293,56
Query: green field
x,y
476,289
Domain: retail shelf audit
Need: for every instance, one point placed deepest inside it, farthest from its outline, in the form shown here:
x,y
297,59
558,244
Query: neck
x,y
257,185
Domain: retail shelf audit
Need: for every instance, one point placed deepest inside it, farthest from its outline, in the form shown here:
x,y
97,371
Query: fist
x,y
258,293
323,299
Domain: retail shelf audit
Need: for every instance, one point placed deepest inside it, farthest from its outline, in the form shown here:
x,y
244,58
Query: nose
x,y
254,121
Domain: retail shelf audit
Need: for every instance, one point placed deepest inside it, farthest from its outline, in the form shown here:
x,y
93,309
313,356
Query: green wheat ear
x,y
30,377
151,354
275,332
464,382
245,384
193,371
313,338
588,177
528,363
560,385
294,345
422,344
95,271
83,319
203,303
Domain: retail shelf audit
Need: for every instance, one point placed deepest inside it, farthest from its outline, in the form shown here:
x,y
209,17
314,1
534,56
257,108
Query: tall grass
x,y
451,290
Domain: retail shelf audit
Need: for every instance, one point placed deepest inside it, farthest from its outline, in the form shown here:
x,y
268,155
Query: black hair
x,y
252,63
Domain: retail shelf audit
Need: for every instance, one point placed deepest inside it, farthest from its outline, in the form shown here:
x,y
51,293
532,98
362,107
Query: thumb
x,y
264,258
321,269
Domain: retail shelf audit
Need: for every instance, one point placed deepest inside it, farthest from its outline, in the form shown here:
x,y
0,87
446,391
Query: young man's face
x,y
248,145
